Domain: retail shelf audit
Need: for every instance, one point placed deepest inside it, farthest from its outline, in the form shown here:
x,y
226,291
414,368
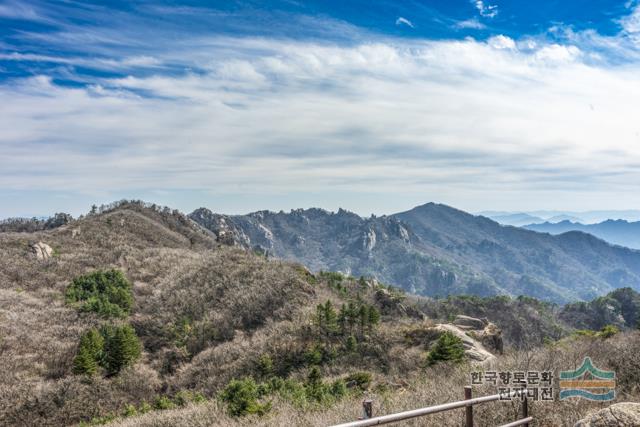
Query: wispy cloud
x,y
631,24
443,117
19,10
464,122
485,9
404,21
472,23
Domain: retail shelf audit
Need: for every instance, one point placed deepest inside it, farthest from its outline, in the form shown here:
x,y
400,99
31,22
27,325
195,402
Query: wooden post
x,y
469,409
367,408
525,409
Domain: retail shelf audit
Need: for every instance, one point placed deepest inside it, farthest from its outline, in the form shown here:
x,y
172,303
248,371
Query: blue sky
x,y
370,106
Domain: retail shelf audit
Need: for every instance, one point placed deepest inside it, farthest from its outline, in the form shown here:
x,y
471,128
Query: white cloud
x,y
19,10
501,42
486,10
555,53
631,25
631,22
472,23
450,120
404,21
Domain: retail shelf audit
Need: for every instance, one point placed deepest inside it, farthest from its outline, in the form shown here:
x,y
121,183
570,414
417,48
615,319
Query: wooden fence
x,y
467,403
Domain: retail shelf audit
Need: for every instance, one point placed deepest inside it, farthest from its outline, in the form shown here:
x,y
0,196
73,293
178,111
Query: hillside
x,y
206,319
617,232
436,250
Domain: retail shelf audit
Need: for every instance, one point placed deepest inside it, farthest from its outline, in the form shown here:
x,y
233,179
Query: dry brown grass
x,y
444,384
239,307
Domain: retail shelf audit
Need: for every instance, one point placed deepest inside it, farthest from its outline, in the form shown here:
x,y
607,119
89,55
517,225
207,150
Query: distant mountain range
x,y
619,232
436,250
519,219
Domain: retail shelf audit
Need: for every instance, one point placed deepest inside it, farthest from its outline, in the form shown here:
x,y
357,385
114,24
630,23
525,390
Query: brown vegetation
x,y
207,314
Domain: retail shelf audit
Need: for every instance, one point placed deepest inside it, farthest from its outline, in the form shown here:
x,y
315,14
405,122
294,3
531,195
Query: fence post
x,y
525,409
468,410
367,408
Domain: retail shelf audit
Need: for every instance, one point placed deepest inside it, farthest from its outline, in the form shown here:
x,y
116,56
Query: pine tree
x,y
320,317
314,377
342,320
351,344
448,348
362,282
85,362
330,318
351,315
122,348
374,317
90,353
363,318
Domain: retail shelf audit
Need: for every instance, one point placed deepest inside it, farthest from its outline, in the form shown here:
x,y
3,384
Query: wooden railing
x,y
467,403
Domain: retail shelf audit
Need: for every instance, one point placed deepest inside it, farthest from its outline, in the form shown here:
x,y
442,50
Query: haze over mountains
x,y
436,250
519,219
619,232
616,227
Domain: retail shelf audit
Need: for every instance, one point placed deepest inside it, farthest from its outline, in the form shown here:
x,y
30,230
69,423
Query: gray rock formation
x,y
468,323
624,414
436,250
479,340
41,251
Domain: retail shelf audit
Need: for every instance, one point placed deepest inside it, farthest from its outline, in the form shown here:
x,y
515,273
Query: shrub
x,y
130,411
313,356
338,389
89,354
608,331
242,397
112,347
121,347
351,345
361,380
163,402
184,397
107,293
265,365
448,348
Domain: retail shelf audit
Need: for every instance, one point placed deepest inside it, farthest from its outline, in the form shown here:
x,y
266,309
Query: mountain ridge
x,y
434,250
615,231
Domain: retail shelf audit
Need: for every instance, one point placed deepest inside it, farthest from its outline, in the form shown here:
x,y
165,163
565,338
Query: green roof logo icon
x,y
588,382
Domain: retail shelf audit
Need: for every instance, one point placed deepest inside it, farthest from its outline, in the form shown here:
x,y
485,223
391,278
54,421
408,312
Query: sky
x,y
373,106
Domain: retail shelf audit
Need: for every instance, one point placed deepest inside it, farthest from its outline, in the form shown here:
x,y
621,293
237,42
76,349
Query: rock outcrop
x,y
469,323
624,414
41,251
479,337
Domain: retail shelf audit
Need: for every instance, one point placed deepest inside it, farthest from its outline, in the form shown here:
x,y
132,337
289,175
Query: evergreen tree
x,y
351,344
351,316
342,320
107,293
122,348
330,318
85,362
374,317
320,317
448,348
89,353
314,377
363,318
242,397
362,282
